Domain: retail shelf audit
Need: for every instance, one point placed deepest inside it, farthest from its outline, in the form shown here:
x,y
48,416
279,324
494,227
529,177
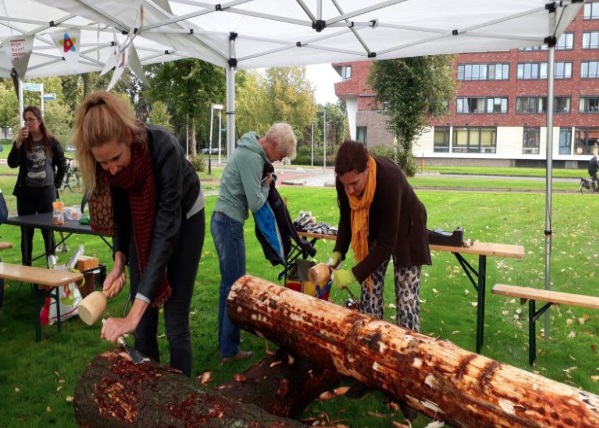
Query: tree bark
x,y
282,384
433,376
113,392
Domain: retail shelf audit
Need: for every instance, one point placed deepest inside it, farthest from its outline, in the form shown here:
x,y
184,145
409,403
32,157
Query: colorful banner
x,y
68,43
19,51
119,68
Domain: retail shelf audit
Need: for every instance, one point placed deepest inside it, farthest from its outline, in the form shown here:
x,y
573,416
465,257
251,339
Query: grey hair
x,y
283,134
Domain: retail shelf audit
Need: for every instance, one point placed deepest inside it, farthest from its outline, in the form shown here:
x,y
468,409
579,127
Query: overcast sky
x,y
323,77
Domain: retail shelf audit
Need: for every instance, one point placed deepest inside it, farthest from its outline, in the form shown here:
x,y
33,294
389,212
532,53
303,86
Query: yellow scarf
x,y
360,210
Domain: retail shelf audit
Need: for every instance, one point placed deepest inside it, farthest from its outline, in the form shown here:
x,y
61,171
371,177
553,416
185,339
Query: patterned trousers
x,y
407,295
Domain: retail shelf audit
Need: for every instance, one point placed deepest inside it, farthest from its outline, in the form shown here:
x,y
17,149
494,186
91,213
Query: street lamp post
x,y
220,132
324,158
218,107
312,151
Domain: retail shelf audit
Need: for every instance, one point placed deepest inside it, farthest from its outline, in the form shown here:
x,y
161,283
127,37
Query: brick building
x,y
499,114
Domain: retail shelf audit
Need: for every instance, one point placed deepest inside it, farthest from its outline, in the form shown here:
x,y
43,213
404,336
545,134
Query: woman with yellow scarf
x,y
381,217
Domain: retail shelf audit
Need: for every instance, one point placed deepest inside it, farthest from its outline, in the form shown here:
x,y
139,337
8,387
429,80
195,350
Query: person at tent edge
x,y
242,189
592,170
143,192
381,216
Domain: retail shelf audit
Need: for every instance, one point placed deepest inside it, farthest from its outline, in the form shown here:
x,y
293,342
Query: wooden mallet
x,y
93,306
320,273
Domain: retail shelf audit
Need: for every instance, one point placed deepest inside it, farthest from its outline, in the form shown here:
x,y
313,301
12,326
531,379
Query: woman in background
x,y
42,166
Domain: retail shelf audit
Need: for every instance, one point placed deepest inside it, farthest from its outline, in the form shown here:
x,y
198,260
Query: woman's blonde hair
x,y
101,118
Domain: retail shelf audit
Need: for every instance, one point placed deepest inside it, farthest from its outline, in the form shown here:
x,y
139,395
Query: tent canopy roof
x,y
269,33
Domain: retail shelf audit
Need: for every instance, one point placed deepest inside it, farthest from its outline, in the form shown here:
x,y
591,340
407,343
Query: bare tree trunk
x,y
431,375
113,392
192,136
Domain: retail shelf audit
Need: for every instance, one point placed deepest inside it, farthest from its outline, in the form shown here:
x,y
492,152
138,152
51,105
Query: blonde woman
x,y
145,193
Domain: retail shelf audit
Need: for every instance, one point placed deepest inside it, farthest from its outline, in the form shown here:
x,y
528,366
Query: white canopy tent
x,y
246,34
96,44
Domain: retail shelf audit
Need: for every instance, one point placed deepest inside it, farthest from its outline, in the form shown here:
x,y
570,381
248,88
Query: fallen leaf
x,y
342,390
327,395
595,378
17,389
394,406
435,424
69,399
572,335
275,363
205,378
407,424
239,378
48,409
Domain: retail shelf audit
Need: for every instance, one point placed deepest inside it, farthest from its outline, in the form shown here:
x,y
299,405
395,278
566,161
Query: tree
x,y
281,94
412,91
159,115
189,87
9,108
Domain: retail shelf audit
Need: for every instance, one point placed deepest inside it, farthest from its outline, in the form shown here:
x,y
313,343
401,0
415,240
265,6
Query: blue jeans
x,y
230,247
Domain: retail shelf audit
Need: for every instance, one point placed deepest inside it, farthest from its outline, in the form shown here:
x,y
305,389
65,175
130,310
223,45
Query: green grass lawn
x,y
37,380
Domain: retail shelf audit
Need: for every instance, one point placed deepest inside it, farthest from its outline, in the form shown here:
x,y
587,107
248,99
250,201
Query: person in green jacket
x,y
242,189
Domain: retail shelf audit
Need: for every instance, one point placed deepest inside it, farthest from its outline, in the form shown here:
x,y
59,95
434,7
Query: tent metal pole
x,y
21,102
231,96
548,230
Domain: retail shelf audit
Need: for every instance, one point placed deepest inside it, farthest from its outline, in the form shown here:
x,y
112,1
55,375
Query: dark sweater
x,y
397,222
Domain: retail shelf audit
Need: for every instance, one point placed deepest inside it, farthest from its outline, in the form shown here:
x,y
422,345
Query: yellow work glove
x,y
342,277
335,259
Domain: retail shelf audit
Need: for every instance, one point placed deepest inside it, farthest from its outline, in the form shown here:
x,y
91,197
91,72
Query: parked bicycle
x,y
71,176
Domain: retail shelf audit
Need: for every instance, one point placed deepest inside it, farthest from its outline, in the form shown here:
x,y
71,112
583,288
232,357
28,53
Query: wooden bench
x,y
44,283
550,298
3,246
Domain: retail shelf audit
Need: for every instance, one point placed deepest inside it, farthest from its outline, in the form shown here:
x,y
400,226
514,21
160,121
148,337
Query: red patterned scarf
x,y
138,180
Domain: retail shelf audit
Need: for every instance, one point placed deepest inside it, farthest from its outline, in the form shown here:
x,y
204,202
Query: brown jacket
x,y
397,222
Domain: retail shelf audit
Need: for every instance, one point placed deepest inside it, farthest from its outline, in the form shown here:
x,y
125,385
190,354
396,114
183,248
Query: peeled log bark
x,y
113,393
433,376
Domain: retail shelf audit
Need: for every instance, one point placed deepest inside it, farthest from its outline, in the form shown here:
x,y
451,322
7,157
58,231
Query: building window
x,y
588,105
585,140
476,105
346,72
590,40
591,11
589,69
561,105
474,140
539,105
538,70
441,139
565,42
483,71
565,141
361,134
532,140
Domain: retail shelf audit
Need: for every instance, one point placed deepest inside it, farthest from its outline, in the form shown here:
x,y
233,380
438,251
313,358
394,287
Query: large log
x,y
433,376
115,393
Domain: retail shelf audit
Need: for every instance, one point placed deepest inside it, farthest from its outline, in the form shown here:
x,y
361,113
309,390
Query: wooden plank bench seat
x,y
44,283
532,295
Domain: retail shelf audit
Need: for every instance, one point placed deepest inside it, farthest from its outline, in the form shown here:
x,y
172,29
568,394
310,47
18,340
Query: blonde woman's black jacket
x,y
18,158
177,189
